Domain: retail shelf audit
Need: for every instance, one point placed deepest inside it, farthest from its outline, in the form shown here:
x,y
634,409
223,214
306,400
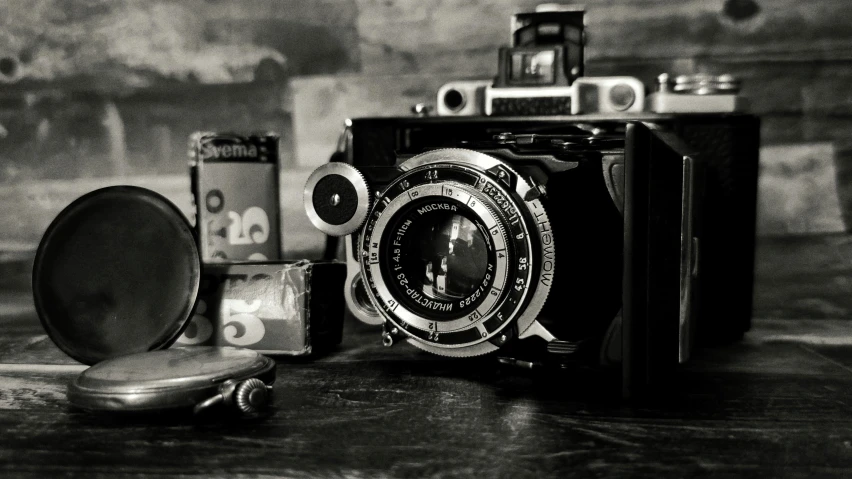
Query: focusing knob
x,y
337,199
705,84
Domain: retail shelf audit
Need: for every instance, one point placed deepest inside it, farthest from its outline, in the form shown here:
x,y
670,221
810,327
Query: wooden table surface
x,y
778,404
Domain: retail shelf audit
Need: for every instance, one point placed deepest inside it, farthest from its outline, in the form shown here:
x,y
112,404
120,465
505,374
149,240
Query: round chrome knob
x,y
337,199
706,84
251,396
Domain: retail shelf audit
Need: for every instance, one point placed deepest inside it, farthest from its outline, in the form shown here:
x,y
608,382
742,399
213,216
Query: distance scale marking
x,y
489,318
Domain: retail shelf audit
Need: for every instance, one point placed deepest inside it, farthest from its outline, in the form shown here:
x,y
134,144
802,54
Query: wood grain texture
x,y
113,47
460,36
322,103
797,190
65,134
804,277
765,407
406,419
780,29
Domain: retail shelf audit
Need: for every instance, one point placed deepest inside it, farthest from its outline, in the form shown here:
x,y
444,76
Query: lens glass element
x,y
439,258
450,254
533,67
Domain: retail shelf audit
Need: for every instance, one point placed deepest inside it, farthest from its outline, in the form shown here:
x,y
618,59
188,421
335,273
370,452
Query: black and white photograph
x,y
425,238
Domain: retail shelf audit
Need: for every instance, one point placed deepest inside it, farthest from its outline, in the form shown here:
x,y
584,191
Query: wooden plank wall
x,y
107,92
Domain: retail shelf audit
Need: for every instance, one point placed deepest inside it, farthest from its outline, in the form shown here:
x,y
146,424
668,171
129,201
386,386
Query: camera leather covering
x,y
587,228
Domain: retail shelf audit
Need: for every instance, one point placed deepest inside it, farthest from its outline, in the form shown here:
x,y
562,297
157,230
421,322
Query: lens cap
x,y
116,273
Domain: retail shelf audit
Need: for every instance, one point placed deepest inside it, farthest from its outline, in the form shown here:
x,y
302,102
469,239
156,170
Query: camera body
x,y
613,230
546,217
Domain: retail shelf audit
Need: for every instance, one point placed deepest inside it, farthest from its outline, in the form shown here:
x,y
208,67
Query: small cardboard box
x,y
235,189
274,307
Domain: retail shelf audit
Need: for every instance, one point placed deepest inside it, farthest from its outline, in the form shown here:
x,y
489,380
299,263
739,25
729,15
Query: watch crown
x,y
251,396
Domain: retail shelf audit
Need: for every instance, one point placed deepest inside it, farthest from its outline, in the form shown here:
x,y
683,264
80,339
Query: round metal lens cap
x,y
337,199
167,379
116,273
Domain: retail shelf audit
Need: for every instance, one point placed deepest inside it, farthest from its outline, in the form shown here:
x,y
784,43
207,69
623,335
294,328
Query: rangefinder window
x,y
533,67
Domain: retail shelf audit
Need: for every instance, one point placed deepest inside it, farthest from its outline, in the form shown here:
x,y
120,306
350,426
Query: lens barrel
x,y
451,253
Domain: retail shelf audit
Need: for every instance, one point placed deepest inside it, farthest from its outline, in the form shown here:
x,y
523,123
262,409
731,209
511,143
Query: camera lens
x,y
454,100
622,96
439,259
451,256
448,256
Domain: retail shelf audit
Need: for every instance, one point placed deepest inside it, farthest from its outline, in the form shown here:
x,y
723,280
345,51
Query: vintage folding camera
x,y
595,237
